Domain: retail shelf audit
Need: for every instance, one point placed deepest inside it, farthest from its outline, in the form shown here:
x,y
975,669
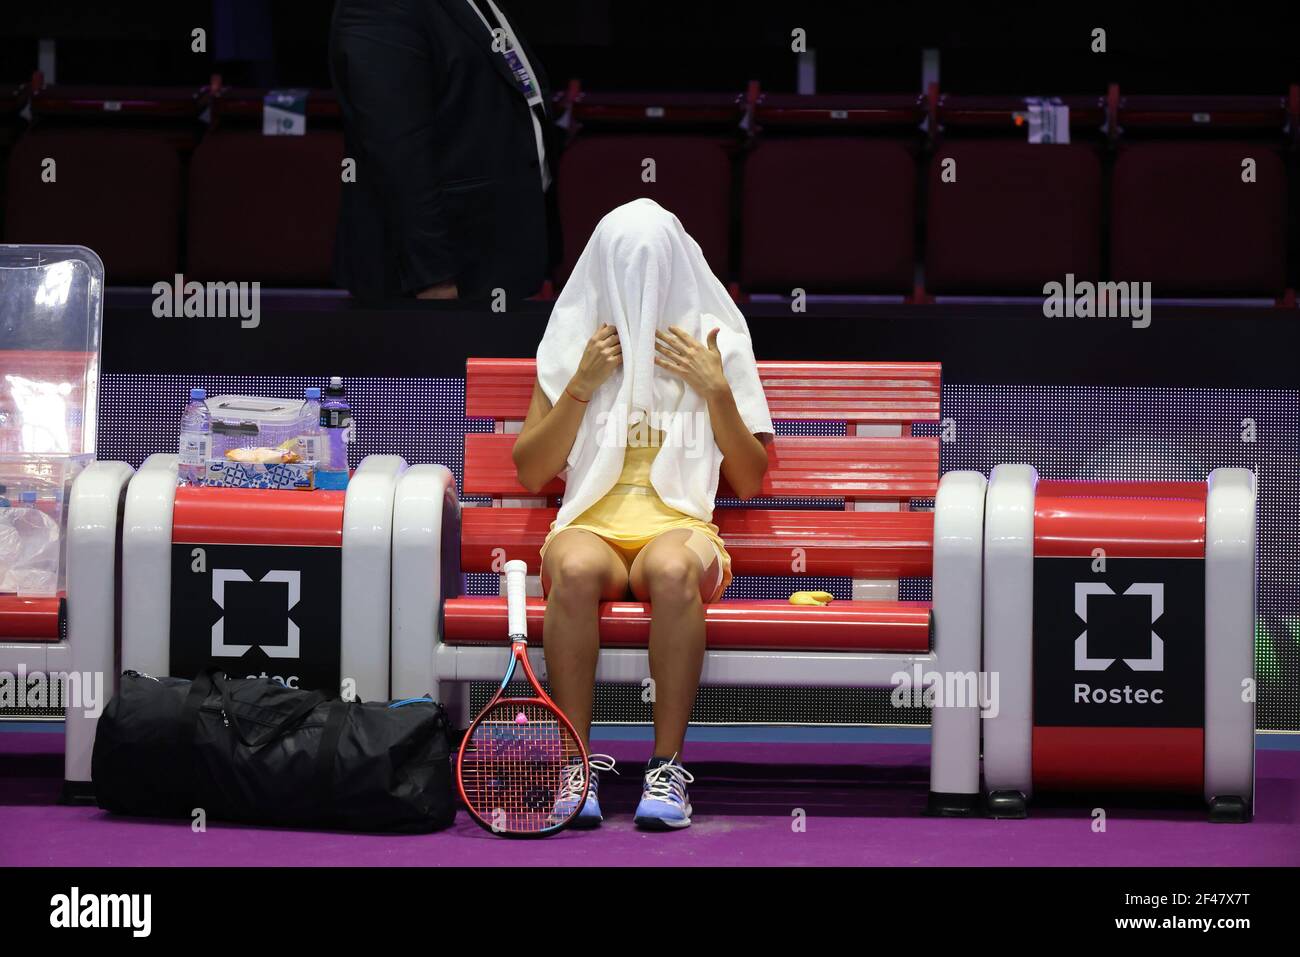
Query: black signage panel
x,y
257,610
1119,648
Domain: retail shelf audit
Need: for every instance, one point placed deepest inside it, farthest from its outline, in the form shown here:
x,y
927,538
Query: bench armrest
x,y
426,571
957,603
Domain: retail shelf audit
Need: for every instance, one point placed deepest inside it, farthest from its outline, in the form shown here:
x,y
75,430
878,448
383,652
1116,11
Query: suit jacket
x,y
448,185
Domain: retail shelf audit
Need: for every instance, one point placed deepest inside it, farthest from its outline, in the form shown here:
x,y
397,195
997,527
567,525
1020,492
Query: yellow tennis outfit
x,y
631,515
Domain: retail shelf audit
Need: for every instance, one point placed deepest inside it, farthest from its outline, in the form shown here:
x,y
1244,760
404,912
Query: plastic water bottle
x,y
196,439
335,421
310,440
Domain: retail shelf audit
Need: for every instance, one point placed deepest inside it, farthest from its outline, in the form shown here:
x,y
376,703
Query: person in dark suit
x,y
445,112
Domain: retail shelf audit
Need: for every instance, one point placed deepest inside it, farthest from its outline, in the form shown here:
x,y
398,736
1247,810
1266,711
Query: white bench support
x,y
957,600
95,510
426,572
365,605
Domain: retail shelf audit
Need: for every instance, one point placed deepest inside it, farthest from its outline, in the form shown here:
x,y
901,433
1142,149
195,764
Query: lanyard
x,y
514,54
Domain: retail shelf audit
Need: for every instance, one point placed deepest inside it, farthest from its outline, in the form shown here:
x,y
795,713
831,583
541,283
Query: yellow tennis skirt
x,y
630,516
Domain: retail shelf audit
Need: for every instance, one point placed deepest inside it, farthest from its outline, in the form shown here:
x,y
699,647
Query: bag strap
x,y
328,750
303,708
200,687
187,731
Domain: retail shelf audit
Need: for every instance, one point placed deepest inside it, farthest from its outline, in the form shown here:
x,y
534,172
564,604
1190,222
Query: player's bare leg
x,y
676,573
579,571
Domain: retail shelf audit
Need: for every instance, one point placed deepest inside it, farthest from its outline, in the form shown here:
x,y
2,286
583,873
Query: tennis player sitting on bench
x,y
646,388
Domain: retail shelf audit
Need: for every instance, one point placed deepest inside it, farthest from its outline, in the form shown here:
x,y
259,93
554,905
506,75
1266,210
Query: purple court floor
x,y
862,794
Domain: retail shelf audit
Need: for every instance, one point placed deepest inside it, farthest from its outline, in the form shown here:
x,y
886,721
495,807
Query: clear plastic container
x,y
246,422
51,307
51,313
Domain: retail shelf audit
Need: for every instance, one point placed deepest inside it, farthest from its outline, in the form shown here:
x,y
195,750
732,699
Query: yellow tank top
x,y
631,514
631,510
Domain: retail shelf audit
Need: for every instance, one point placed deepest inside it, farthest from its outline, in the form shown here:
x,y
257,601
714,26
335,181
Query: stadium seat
x,y
117,192
1183,219
264,208
850,201
693,179
1017,216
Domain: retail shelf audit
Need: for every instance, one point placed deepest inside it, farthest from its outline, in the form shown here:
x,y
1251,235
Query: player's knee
x,y
576,577
673,578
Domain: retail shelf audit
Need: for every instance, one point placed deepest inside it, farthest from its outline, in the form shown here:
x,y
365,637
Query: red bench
x,y
867,531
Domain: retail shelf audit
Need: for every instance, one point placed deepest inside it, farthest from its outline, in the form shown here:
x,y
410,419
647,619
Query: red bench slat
x,y
861,626
760,541
855,467
869,392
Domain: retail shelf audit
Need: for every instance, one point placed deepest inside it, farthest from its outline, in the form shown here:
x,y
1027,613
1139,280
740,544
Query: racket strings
x,y
515,766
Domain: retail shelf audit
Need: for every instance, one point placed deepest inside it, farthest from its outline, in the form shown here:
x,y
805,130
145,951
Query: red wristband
x,y
574,397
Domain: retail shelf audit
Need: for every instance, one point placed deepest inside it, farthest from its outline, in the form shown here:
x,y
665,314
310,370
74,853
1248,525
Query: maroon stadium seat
x,y
117,192
264,208
1182,219
1019,215
828,214
693,181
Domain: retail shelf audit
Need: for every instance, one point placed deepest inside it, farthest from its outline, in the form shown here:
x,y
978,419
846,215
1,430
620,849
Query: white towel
x,y
640,272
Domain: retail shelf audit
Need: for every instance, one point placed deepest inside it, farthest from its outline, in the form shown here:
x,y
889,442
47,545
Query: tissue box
x,y
293,475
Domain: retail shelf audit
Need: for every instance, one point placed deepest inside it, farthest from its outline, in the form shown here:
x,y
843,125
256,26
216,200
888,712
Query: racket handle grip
x,y
516,576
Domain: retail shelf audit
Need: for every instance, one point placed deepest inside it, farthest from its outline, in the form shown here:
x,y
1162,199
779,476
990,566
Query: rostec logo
x,y
220,576
1155,661
1120,649
257,609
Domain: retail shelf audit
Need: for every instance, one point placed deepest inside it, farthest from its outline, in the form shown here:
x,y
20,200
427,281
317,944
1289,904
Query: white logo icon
x,y
219,578
1154,662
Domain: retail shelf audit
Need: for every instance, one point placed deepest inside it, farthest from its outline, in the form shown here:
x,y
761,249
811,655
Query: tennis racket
x,y
520,752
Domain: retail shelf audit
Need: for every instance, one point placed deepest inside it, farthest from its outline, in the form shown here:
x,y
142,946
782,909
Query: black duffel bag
x,y
253,751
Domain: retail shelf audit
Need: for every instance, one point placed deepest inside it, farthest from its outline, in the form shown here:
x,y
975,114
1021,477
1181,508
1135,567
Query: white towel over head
x,y
640,272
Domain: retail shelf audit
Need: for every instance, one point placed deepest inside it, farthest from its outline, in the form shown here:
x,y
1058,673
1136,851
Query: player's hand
x,y
603,354
699,366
